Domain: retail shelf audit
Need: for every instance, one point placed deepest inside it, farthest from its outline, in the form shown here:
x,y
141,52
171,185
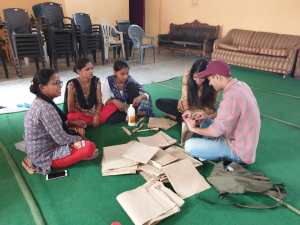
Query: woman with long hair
x,y
196,96
50,141
121,90
83,97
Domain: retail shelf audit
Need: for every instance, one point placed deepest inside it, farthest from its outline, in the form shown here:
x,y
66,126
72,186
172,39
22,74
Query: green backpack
x,y
235,179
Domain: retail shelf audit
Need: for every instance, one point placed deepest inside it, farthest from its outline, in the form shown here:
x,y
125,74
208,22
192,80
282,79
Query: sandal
x,y
27,165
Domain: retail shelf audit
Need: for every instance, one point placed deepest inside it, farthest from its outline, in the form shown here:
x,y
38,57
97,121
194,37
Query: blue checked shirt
x,y
45,137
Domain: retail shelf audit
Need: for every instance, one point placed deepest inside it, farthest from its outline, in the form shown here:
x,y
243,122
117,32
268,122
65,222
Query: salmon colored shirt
x,y
238,120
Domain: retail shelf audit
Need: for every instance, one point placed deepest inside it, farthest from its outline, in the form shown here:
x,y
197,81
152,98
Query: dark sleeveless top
x,y
85,103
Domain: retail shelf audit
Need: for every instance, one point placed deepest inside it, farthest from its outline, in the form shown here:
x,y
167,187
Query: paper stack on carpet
x,y
113,162
150,203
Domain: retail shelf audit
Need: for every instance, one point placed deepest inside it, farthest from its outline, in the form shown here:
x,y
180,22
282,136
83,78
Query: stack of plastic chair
x,y
60,36
24,39
88,35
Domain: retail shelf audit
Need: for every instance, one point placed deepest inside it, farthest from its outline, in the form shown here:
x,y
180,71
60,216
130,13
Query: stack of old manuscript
x,y
153,170
125,158
162,123
179,152
113,162
150,203
159,139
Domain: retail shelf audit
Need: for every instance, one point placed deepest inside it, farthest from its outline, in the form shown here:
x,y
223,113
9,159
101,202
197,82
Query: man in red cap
x,y
234,133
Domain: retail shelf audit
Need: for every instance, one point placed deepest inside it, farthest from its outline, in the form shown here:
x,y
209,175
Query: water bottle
x,y
131,116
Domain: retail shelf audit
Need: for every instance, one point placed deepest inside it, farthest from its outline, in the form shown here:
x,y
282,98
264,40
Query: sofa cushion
x,y
247,49
240,37
263,40
285,41
274,52
227,47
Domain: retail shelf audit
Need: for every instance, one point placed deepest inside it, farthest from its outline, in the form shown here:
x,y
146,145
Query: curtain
x,y
137,12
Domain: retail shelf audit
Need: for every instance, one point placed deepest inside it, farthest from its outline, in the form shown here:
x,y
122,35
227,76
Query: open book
x,y
150,203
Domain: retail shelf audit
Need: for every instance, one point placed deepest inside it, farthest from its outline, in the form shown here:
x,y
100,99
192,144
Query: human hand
x,y
120,105
187,114
191,124
200,115
96,121
78,124
137,100
182,105
78,144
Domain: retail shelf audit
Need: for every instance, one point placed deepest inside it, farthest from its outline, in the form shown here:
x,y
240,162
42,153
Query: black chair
x,y
60,36
25,41
88,35
123,25
3,57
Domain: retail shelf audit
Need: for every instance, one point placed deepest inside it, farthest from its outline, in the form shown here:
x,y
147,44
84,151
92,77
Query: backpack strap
x,y
277,193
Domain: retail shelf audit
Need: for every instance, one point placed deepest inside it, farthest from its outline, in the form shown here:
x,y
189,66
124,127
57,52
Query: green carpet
x,y
85,197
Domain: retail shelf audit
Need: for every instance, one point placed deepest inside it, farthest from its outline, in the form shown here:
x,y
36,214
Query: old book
x,y
162,158
163,123
140,152
179,152
151,170
160,139
185,179
149,203
114,164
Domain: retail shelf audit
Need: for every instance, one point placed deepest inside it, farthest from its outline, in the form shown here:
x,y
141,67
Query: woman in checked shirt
x,y
50,143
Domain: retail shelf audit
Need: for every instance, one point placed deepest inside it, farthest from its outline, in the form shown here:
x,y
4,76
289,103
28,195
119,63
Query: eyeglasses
x,y
57,83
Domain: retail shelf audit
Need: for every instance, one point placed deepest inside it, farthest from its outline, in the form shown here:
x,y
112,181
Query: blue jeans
x,y
210,149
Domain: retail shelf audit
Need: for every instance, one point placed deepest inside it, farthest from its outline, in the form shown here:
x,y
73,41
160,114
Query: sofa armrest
x,y
217,42
208,45
163,36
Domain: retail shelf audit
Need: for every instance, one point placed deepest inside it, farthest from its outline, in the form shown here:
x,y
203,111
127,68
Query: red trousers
x,y
77,155
105,113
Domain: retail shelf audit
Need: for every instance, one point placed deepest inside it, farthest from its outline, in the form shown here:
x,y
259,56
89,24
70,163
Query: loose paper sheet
x,y
140,152
159,139
162,123
185,179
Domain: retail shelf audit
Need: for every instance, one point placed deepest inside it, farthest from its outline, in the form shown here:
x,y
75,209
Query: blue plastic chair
x,y
137,35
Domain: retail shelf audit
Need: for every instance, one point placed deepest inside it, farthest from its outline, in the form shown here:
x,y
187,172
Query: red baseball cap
x,y
215,67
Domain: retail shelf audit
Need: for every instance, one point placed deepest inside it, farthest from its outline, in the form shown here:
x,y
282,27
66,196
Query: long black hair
x,y
80,64
42,78
120,64
208,95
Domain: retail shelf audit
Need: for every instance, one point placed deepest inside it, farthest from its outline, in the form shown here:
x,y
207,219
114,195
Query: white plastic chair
x,y
112,38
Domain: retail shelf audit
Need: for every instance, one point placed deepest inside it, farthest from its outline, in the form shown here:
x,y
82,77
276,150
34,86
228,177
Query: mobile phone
x,y
57,175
